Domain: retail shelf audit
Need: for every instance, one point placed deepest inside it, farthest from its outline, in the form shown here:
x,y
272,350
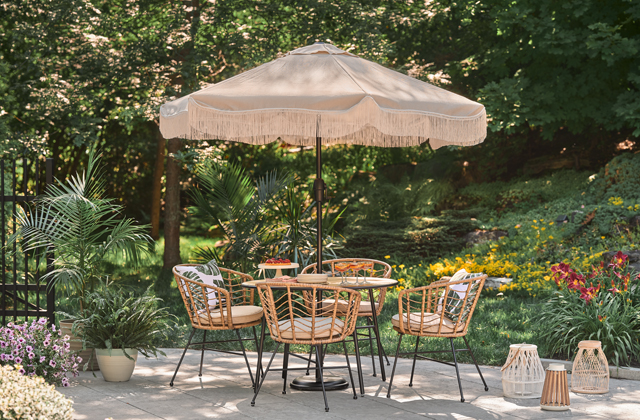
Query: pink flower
x,y
52,363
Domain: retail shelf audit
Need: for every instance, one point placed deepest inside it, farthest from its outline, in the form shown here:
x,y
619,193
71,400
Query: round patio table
x,y
332,382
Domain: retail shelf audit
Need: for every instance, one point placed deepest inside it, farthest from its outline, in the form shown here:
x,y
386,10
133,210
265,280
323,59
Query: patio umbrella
x,y
320,94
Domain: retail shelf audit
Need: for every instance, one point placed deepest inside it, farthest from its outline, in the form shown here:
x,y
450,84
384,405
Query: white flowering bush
x,y
30,398
38,351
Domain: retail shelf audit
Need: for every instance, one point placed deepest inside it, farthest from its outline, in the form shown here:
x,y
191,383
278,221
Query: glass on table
x,y
342,268
367,266
356,267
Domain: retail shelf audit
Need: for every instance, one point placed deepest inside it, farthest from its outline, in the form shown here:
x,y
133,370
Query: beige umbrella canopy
x,y
322,95
322,91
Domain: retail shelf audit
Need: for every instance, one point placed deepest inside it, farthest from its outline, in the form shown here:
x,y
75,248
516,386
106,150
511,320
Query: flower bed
x,y
38,351
603,305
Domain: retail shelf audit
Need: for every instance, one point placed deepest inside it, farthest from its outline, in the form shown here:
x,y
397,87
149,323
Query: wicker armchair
x,y
380,269
299,314
232,311
442,310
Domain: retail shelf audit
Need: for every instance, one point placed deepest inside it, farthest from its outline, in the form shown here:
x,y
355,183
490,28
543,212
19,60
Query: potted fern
x,y
120,325
81,227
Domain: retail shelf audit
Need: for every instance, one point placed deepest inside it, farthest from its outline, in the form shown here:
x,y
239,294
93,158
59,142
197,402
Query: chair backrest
x,y
308,314
200,306
443,308
380,268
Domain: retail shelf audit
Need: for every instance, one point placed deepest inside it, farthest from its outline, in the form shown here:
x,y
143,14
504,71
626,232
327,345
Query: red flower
x,y
619,260
575,281
588,293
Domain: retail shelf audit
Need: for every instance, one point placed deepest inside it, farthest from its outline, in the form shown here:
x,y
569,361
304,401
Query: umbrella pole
x,y
318,187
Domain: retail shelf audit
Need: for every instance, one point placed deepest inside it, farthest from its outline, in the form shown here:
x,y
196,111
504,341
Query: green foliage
x,y
413,239
114,320
618,178
227,197
603,306
82,227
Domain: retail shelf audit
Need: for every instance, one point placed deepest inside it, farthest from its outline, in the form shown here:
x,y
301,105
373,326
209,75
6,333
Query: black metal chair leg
x,y
193,331
395,362
358,361
324,391
455,360
373,353
255,339
285,365
204,340
246,359
253,401
384,353
353,384
309,362
486,388
415,356
259,371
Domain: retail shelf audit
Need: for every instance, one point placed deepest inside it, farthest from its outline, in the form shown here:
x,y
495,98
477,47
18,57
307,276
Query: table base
x,y
309,383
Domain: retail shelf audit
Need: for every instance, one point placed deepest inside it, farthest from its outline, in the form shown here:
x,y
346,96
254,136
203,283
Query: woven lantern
x,y
555,393
523,374
590,374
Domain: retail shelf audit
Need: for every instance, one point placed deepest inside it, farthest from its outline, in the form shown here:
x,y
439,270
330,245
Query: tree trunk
x,y
172,209
156,192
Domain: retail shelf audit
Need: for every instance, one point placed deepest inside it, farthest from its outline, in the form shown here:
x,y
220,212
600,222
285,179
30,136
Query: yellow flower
x,y
393,266
420,265
400,280
550,223
401,266
550,237
387,256
535,221
602,237
543,228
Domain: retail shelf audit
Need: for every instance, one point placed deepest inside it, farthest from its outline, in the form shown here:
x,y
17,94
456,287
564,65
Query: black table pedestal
x,y
310,383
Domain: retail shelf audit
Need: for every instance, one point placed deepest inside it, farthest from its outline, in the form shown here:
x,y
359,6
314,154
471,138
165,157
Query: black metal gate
x,y
23,292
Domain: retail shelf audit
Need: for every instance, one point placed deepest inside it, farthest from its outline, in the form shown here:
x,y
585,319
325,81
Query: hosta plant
x,y
603,305
36,350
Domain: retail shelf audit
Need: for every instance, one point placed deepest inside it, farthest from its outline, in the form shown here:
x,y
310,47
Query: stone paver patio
x,y
224,391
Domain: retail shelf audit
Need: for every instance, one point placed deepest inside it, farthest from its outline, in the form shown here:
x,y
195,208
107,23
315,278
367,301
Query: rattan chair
x,y
441,310
380,269
299,314
233,311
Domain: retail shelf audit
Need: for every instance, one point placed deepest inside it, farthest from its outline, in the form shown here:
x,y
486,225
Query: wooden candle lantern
x,y
555,392
590,373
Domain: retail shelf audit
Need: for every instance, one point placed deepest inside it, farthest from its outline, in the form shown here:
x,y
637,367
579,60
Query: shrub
x,y
38,351
602,305
25,397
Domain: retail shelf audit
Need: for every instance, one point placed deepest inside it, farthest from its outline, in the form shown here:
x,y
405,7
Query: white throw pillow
x,y
208,273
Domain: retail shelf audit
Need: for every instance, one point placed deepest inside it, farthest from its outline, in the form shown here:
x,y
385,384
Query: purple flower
x,y
9,357
31,355
42,359
3,344
3,357
67,346
18,360
53,328
21,340
65,384
19,347
15,351
52,363
29,349
46,343
79,359
42,321
21,371
55,347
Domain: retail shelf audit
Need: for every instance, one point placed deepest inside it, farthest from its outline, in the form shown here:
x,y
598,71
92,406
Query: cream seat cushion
x,y
430,325
365,306
303,330
242,314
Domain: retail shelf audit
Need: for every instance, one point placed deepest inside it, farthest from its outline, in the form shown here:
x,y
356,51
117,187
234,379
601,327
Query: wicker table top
x,y
372,283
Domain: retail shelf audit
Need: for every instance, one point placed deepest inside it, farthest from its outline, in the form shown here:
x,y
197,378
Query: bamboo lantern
x,y
590,374
523,374
555,393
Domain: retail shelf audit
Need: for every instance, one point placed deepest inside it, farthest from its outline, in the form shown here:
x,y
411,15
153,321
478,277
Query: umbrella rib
x,y
349,74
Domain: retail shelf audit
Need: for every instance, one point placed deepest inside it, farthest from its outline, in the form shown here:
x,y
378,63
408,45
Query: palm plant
x,y
82,227
299,238
228,197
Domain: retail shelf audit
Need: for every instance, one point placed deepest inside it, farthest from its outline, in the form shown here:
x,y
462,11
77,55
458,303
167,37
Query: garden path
x,y
224,391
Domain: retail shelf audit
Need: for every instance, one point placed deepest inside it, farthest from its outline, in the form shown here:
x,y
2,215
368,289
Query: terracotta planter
x,y
76,344
116,367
